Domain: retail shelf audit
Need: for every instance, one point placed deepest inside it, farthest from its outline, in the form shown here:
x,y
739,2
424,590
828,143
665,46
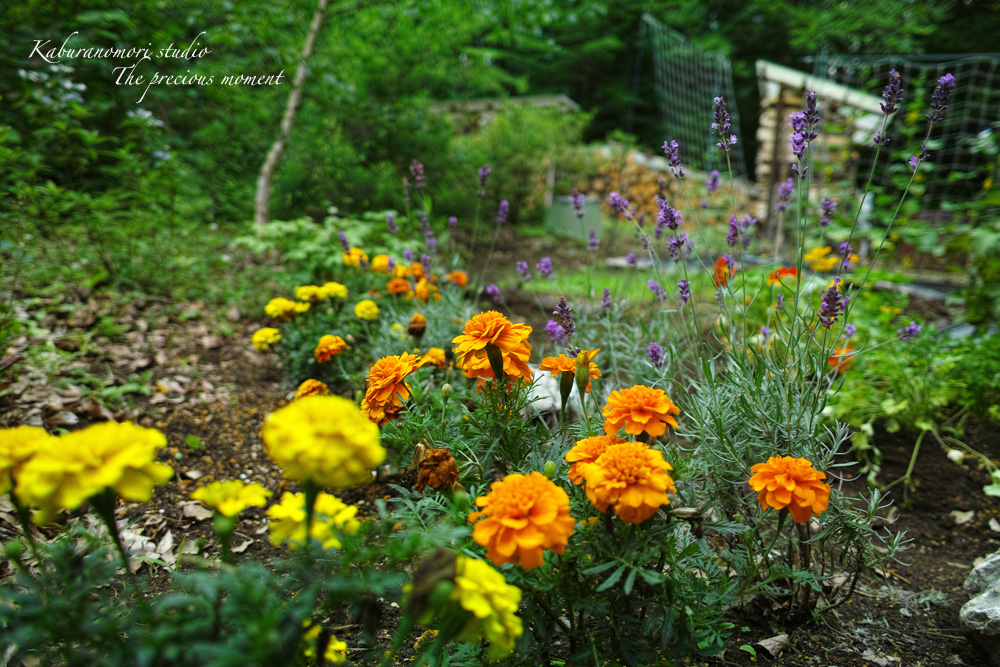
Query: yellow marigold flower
x,y
334,290
631,477
310,293
329,347
434,357
265,337
286,309
336,649
493,328
820,259
17,445
563,364
639,408
493,603
72,468
460,278
387,389
231,498
380,264
311,388
425,290
323,439
331,518
524,515
354,257
401,271
587,451
785,481
366,310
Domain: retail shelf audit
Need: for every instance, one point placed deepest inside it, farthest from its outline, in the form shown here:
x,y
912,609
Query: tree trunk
x,y
262,200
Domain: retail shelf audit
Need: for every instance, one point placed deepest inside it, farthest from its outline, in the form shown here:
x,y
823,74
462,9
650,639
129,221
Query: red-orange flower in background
x,y
786,481
460,278
722,272
563,364
639,408
399,286
311,388
521,517
329,347
776,277
631,477
493,328
587,451
387,389
842,358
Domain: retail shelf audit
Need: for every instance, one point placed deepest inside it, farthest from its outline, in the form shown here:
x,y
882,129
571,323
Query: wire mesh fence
x,y
688,78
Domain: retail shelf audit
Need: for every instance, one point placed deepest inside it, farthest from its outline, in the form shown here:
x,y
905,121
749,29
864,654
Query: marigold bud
x,y
550,469
418,324
446,391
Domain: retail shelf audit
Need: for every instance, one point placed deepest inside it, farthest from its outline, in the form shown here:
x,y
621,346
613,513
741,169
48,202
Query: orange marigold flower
x,y
434,357
587,451
842,358
785,481
722,272
639,408
424,290
417,271
311,388
460,278
775,278
631,477
387,389
493,328
563,364
523,515
329,347
399,286
437,469
417,326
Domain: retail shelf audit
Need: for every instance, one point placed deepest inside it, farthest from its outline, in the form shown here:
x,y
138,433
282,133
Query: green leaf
x,y
612,580
597,569
749,649
194,442
992,490
630,582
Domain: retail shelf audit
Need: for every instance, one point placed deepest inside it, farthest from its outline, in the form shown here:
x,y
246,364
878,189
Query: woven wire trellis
x,y
959,169
687,81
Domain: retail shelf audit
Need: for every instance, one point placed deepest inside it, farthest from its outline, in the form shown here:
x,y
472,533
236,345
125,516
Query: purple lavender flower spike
x,y
502,212
910,331
493,292
785,191
846,251
765,332
522,268
832,305
390,222
577,199
893,93
675,244
417,170
655,354
713,182
656,289
606,299
733,237
829,207
880,139
544,267
343,240
722,124
779,304
618,203
849,330
673,151
593,243
631,259
390,265
915,160
684,291
425,261
484,174
941,98
408,255
564,316
555,332
452,226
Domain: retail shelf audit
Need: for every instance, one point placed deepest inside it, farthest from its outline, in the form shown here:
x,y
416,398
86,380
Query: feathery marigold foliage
x,y
639,409
325,440
793,483
632,478
521,517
